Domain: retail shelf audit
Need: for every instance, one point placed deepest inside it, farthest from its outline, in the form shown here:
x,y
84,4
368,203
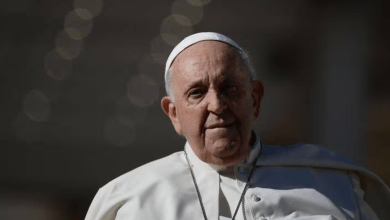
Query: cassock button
x,y
256,198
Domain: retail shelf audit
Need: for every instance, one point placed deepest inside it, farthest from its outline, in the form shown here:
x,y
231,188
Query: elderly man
x,y
224,172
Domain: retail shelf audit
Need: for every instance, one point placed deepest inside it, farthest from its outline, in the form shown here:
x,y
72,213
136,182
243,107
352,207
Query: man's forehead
x,y
212,60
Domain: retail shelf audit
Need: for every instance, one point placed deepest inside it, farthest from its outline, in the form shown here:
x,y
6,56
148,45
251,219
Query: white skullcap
x,y
192,39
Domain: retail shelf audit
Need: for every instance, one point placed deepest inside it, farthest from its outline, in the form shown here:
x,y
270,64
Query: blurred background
x,y
81,83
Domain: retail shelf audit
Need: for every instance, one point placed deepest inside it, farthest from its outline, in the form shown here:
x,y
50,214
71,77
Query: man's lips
x,y
220,125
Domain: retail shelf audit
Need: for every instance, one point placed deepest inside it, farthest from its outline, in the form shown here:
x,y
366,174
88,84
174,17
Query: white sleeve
x,y
99,209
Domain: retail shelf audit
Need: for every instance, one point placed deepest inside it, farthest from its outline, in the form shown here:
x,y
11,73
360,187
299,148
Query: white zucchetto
x,y
192,39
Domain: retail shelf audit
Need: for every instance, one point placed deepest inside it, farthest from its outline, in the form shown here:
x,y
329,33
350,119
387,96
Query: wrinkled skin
x,y
215,103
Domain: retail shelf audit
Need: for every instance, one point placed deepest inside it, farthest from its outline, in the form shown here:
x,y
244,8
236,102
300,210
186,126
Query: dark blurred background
x,y
81,83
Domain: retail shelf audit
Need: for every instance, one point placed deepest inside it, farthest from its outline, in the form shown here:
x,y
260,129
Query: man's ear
x,y
169,109
257,95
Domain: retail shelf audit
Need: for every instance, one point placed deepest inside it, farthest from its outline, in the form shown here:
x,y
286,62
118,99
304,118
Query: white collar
x,y
198,163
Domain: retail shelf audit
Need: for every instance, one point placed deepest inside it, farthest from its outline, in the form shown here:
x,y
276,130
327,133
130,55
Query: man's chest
x,y
273,193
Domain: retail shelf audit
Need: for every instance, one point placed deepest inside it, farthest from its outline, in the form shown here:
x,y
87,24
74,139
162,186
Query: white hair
x,y
244,61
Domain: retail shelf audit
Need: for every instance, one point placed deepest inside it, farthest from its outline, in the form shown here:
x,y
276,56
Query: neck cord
x,y
242,194
196,187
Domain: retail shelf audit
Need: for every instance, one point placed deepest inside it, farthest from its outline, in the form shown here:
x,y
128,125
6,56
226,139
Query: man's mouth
x,y
220,125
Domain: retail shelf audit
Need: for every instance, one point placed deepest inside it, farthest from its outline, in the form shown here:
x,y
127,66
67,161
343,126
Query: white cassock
x,y
296,182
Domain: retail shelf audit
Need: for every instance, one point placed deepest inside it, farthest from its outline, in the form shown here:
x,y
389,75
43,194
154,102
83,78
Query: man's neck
x,y
255,150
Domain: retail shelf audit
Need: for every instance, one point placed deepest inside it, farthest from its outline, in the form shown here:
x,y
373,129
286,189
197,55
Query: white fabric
x,y
223,180
192,39
229,195
296,182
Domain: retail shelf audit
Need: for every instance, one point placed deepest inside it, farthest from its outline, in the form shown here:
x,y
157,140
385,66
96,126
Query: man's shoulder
x,y
314,156
154,172
142,188
376,192
305,155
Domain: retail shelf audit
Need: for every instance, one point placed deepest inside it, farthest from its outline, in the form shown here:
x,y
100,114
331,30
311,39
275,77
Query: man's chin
x,y
228,157
226,161
224,148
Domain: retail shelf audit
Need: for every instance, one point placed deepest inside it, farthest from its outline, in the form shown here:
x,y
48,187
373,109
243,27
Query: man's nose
x,y
216,102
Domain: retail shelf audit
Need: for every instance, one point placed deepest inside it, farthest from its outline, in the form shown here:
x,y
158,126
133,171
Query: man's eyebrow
x,y
199,83
228,79
193,84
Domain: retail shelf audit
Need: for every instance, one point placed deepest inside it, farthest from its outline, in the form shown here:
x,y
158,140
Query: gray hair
x,y
244,61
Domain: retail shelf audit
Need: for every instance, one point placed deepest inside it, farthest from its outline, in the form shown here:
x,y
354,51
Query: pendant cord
x,y
242,194
196,187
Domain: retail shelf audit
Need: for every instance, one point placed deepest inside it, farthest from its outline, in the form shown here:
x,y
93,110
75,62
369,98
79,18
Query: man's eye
x,y
229,88
196,92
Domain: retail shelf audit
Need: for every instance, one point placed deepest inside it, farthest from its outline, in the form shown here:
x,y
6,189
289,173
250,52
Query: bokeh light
x,y
142,90
67,47
57,67
27,130
148,66
198,2
93,6
128,113
192,12
174,28
119,134
78,24
21,206
160,50
36,106
83,13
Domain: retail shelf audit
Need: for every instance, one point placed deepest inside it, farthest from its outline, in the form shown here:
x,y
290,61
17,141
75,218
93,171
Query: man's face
x,y
215,104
